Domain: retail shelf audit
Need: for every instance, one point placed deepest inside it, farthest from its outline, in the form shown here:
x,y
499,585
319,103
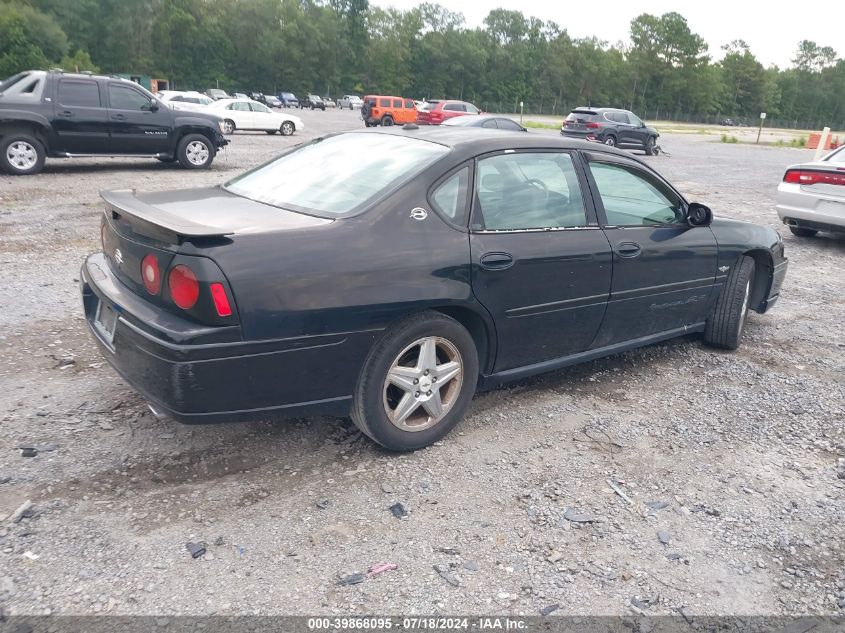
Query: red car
x,y
435,112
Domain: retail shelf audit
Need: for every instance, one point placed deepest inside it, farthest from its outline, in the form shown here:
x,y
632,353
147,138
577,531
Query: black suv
x,y
63,115
612,127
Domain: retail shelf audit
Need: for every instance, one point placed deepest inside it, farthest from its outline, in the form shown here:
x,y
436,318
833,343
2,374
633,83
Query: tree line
x,y
335,47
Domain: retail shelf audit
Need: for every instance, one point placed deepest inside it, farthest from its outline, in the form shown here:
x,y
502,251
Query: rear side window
x,y
125,98
530,190
507,124
397,103
450,198
384,103
79,93
632,197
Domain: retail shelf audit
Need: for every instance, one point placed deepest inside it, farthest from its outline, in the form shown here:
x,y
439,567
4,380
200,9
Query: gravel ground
x,y
733,462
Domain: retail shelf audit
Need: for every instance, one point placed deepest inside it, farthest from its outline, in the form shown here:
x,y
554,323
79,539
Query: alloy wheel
x,y
197,153
22,155
423,383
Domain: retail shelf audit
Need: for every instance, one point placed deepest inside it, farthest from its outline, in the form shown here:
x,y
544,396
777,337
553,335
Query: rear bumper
x,y
797,207
168,361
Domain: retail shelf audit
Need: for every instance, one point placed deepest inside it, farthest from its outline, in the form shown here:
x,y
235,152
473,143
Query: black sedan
x,y
388,274
488,121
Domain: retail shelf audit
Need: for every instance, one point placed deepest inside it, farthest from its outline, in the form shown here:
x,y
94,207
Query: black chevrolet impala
x,y
388,274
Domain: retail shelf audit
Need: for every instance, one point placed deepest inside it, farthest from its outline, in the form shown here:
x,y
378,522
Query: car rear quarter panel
x,y
351,275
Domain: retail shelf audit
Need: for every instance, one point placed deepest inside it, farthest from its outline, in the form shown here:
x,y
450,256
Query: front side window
x,y
633,198
337,175
409,103
635,121
530,190
471,108
489,123
81,93
450,197
126,98
258,107
455,107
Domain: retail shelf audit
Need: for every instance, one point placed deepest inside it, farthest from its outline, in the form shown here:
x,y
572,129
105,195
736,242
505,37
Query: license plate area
x,y
105,320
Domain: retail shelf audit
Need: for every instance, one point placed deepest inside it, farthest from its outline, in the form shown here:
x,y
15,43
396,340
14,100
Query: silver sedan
x,y
811,197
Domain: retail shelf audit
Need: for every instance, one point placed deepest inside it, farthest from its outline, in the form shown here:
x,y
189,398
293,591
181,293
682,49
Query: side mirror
x,y
699,215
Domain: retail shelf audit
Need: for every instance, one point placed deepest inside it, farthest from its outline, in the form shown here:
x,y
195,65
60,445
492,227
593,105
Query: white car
x,y
181,100
811,197
353,102
245,114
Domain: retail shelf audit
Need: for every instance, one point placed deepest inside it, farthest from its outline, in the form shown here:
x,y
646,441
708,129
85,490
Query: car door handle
x,y
496,261
118,117
66,114
628,249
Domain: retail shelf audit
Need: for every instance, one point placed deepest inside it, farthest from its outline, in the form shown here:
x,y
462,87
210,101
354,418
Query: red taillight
x,y
150,274
184,287
593,126
801,177
221,301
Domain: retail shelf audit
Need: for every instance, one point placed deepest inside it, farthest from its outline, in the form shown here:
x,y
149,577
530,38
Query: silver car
x,y
811,197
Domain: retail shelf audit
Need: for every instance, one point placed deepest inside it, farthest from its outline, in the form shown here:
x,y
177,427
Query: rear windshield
x,y
582,116
837,156
338,175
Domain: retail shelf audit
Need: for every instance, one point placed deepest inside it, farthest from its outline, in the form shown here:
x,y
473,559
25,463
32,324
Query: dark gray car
x,y
612,127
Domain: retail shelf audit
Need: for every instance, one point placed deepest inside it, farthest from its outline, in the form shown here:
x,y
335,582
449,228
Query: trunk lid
x,y
173,226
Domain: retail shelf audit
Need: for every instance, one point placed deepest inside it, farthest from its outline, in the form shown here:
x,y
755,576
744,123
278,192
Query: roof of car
x,y
488,139
589,109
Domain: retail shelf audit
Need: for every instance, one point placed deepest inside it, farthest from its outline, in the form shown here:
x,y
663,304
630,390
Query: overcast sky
x,y
772,29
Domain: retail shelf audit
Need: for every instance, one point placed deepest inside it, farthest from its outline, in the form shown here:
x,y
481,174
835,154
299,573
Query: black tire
x,y
229,126
370,402
271,131
610,140
387,121
649,147
21,155
287,128
725,326
195,151
802,232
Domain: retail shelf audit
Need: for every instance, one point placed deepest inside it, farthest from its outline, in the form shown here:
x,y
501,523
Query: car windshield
x,y
337,175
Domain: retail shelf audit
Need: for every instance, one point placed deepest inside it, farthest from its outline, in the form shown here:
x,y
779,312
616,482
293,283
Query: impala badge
x,y
724,268
118,256
419,213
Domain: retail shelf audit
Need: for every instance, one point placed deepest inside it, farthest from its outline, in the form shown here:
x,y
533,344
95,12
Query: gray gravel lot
x,y
734,462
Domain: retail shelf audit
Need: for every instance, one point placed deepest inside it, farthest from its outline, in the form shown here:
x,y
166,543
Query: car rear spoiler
x,y
155,222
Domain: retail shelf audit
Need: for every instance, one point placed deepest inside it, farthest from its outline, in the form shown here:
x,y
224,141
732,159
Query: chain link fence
x,y
562,109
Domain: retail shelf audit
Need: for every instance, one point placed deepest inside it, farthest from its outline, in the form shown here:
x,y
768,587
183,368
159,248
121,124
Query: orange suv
x,y
382,110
